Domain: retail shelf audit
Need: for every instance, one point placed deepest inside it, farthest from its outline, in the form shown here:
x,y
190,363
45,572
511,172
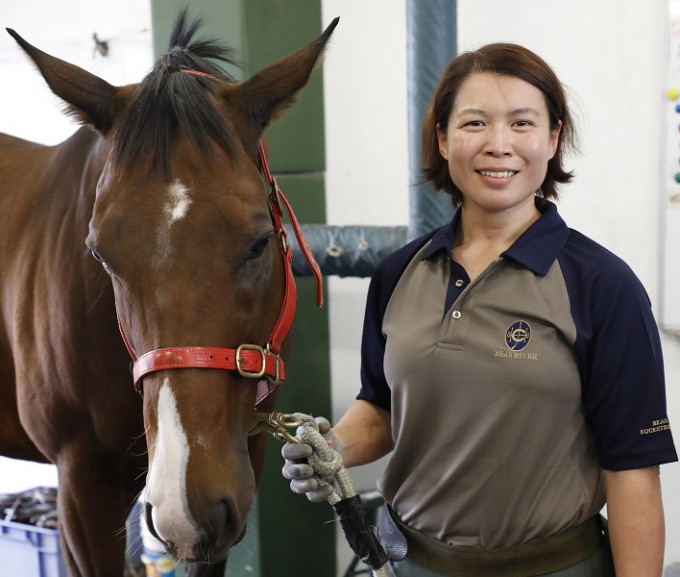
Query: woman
x,y
511,365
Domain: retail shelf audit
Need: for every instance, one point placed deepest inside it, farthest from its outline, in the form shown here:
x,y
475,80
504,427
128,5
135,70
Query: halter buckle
x,y
264,353
239,360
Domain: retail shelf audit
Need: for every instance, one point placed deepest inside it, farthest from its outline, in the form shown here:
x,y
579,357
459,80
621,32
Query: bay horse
x,y
164,187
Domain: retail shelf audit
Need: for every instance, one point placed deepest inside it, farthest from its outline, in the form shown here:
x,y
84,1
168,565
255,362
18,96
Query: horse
x,y
153,232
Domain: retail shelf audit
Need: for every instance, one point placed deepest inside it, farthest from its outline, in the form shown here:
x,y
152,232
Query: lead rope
x,y
325,460
329,470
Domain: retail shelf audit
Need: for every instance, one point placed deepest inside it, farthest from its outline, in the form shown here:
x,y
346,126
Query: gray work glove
x,y
300,474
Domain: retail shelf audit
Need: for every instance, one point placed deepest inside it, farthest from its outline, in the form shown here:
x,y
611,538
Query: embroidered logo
x,y
518,335
657,426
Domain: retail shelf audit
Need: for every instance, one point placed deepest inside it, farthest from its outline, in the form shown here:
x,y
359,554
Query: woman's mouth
x,y
497,174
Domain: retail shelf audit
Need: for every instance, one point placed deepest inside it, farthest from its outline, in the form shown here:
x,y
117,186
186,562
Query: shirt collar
x,y
536,249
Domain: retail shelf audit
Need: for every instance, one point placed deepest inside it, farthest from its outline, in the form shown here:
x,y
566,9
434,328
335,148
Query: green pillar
x,y
287,535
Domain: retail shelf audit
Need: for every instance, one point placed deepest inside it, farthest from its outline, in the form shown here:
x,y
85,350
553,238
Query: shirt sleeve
x,y
621,365
374,387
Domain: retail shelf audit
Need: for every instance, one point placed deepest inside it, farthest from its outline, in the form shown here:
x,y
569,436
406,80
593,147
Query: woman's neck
x,y
501,228
481,237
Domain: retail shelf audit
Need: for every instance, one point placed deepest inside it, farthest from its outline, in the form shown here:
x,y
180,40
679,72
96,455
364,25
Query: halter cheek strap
x,y
249,360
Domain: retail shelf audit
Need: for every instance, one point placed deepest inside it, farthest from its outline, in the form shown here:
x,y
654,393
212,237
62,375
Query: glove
x,y
300,473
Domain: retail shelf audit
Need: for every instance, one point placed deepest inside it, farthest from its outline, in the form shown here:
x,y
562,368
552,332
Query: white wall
x,y
64,28
609,53
366,159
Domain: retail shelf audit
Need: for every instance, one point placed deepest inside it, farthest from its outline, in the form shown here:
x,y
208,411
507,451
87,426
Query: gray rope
x,y
326,461
328,466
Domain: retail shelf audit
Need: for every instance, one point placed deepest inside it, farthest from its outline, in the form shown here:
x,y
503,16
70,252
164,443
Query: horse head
x,y
182,225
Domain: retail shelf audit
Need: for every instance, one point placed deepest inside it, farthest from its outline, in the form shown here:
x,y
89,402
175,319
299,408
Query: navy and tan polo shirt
x,y
508,394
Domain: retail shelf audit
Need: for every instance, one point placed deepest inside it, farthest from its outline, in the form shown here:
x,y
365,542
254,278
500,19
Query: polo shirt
x,y
510,393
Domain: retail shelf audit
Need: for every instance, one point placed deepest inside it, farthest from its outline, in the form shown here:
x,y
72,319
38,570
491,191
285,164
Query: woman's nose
x,y
499,141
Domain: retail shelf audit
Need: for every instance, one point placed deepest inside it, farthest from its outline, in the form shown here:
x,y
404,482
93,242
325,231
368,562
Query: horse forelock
x,y
168,101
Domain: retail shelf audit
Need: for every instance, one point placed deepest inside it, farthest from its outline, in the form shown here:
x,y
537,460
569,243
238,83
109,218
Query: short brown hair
x,y
508,60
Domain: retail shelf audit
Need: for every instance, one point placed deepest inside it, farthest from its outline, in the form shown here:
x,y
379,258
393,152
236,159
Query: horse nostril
x,y
232,521
223,523
211,529
150,537
148,521
221,527
217,521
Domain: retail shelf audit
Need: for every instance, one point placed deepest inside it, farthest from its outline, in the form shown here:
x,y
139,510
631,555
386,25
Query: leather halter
x,y
249,360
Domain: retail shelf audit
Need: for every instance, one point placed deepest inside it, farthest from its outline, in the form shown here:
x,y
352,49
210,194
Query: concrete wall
x,y
65,29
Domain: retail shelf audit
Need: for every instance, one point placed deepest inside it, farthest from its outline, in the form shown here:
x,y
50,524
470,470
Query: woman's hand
x,y
300,473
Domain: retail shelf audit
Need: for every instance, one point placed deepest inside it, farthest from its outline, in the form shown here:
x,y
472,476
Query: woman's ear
x,y
443,142
555,137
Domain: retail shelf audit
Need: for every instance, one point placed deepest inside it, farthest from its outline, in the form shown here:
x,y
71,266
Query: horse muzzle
x,y
206,540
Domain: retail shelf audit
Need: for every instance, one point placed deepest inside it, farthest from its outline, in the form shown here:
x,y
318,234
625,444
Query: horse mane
x,y
168,100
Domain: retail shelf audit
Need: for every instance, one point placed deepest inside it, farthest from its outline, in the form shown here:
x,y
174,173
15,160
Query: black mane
x,y
169,99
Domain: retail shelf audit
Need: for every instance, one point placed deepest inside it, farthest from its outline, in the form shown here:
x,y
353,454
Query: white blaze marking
x,y
166,486
179,202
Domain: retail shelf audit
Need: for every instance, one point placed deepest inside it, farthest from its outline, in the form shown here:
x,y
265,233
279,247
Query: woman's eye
x,y
257,250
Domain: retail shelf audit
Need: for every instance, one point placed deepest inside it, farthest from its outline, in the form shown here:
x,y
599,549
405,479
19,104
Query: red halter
x,y
249,360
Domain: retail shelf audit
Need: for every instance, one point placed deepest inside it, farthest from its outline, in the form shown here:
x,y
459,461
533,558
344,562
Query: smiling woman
x,y
502,385
499,64
497,144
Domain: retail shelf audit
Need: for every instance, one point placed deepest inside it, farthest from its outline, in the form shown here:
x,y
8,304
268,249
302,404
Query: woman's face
x,y
498,142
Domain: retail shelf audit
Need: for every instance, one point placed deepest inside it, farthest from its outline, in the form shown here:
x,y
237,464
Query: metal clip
x,y
278,425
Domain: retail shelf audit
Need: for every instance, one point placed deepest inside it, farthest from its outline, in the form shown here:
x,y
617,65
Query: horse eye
x,y
99,258
257,250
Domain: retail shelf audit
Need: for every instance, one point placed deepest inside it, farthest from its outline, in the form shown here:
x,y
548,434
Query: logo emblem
x,y
518,335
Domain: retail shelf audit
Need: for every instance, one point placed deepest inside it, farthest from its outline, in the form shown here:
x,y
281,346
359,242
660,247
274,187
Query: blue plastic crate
x,y
30,551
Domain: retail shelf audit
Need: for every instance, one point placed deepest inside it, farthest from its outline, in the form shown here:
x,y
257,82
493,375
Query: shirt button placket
x,y
454,327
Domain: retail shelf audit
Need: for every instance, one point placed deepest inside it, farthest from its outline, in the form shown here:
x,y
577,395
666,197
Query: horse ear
x,y
268,93
88,98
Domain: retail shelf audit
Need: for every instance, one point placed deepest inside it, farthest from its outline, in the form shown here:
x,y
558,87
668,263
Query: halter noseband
x,y
249,360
